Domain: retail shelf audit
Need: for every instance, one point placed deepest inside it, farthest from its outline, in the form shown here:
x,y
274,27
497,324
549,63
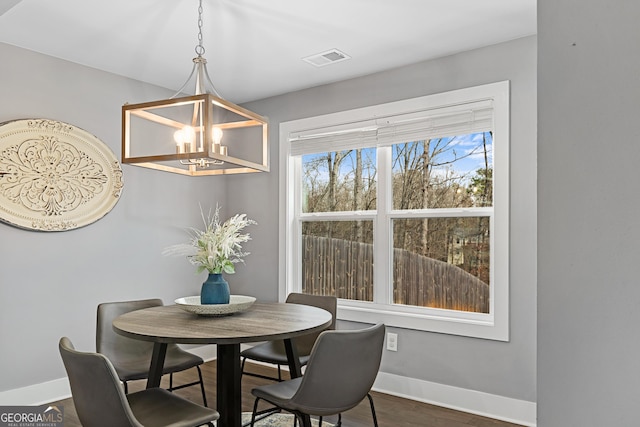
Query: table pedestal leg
x,y
228,385
157,363
295,370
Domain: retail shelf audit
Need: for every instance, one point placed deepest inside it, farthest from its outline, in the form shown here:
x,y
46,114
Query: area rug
x,y
278,420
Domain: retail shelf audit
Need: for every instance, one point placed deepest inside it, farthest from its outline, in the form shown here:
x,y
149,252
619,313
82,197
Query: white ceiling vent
x,y
325,58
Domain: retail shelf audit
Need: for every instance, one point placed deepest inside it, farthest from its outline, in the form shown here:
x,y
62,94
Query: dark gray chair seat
x,y
341,371
131,358
136,367
273,351
100,401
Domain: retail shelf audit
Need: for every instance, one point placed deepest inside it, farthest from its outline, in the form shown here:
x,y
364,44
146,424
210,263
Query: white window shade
x,y
448,121
451,120
349,136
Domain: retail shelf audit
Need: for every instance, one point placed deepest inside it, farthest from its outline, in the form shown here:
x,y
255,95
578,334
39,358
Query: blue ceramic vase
x,y
215,290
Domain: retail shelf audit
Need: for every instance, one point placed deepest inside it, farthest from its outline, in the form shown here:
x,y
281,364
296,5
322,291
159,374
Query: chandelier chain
x,y
200,47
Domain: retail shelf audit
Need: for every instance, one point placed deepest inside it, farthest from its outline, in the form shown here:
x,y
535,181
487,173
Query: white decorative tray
x,y
236,303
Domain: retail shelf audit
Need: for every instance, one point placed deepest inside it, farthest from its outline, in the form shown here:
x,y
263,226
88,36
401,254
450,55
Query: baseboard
x,y
460,399
485,404
52,391
36,394
475,402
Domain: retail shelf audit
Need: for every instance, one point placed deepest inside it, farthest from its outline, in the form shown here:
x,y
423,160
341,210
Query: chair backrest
x,y
341,370
305,343
117,347
97,395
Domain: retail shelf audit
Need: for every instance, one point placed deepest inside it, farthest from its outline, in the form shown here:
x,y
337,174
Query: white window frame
x,y
495,324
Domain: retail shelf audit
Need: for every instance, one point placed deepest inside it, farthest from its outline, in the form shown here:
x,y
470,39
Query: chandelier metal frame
x,y
197,135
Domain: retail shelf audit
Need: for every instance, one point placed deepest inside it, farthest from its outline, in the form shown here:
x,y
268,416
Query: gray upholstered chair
x,y
131,358
100,400
341,371
273,351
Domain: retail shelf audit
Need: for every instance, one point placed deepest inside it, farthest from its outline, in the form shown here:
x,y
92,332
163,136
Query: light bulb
x,y
189,134
186,134
184,138
178,136
217,136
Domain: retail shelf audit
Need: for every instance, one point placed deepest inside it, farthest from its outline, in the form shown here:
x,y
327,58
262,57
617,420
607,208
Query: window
x,y
401,210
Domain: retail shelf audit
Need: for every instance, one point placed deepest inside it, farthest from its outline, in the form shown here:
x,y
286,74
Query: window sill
x,y
451,322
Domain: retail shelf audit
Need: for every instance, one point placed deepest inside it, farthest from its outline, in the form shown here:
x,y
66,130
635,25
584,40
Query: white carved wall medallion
x,y
55,176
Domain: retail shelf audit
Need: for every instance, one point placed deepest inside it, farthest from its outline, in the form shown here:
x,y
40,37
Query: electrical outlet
x,y
392,341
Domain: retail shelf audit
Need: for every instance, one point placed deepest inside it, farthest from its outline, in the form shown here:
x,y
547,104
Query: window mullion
x,y
382,280
442,213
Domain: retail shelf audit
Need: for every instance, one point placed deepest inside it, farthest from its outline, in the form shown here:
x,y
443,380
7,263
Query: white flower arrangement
x,y
218,247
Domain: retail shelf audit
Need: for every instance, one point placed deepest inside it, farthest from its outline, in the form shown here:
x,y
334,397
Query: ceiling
x,y
255,48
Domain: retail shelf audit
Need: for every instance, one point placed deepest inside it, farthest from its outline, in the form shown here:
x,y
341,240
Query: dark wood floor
x,y
392,411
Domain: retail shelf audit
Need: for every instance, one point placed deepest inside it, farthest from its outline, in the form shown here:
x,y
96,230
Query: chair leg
x,y
126,387
181,386
373,410
339,423
204,396
320,422
279,374
253,414
261,415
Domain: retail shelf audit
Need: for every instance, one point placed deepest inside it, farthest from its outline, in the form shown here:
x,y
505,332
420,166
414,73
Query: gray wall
x,y
51,283
588,154
506,369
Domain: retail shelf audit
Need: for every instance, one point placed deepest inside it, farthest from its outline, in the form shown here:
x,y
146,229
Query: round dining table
x,y
260,322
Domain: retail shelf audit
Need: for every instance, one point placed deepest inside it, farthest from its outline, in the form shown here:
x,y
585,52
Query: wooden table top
x,y
261,322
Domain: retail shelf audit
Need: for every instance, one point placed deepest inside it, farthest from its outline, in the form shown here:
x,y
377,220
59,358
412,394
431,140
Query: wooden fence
x,y
345,269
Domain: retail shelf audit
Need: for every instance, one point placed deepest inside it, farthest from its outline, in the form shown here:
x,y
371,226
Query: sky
x,y
468,149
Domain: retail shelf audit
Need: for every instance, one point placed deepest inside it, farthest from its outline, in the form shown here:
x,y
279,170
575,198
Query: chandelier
x,y
196,135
